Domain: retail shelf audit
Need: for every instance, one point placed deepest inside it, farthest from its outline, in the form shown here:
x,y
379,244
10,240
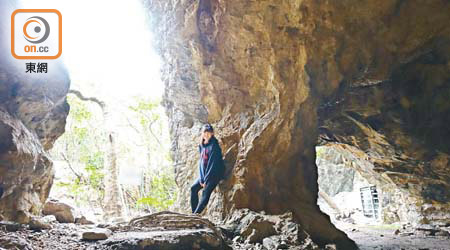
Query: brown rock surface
x,y
63,212
395,129
373,75
39,224
96,234
33,110
249,229
167,230
258,70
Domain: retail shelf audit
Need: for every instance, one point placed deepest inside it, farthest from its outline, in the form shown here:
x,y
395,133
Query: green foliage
x,y
147,112
94,168
161,195
80,147
319,151
83,146
160,184
78,110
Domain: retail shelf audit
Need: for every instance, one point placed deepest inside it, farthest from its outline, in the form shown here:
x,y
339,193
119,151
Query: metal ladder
x,y
370,201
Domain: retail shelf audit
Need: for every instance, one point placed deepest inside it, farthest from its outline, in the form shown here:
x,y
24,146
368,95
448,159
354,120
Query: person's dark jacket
x,y
213,168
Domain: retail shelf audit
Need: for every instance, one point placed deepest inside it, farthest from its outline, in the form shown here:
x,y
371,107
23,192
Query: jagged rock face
x,y
167,230
395,133
258,70
233,59
33,110
392,118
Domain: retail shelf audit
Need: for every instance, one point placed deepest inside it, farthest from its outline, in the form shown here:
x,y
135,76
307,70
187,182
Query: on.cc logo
x,y
39,25
36,34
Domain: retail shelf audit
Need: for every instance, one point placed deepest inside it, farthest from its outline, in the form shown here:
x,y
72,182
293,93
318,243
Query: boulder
x,y
63,212
39,224
83,221
96,234
33,111
49,219
256,228
11,226
251,228
167,231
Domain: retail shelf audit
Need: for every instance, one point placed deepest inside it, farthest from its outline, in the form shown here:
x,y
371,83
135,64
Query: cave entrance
x,y
346,195
113,159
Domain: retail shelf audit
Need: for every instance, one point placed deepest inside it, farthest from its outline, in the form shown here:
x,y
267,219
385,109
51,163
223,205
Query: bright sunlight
x,y
113,161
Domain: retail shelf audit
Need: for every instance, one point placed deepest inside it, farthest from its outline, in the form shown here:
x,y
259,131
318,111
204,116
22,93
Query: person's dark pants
x,y
209,187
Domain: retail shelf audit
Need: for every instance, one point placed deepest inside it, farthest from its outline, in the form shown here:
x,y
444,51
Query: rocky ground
x,y
169,230
61,236
387,237
163,230
62,227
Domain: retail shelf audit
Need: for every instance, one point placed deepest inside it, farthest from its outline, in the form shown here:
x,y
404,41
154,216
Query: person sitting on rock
x,y
211,168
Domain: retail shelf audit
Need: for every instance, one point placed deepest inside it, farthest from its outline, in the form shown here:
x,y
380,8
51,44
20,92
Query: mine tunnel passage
x,y
383,153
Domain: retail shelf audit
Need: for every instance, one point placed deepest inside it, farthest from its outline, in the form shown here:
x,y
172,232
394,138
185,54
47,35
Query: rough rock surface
x,y
394,132
252,230
371,76
258,70
83,221
39,224
96,234
33,110
14,242
10,226
64,213
61,236
167,230
335,172
339,185
289,235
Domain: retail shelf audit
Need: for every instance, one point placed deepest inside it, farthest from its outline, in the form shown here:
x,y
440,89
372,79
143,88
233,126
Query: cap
x,y
207,127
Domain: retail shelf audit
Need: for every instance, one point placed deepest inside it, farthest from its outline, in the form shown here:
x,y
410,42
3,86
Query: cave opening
x,y
112,162
257,70
345,194
382,151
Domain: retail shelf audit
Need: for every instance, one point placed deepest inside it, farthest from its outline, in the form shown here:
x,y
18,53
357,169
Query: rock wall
x,y
259,71
391,108
33,111
394,112
396,145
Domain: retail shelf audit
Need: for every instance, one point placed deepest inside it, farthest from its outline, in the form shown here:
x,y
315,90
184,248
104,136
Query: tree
x,y
112,198
158,188
80,148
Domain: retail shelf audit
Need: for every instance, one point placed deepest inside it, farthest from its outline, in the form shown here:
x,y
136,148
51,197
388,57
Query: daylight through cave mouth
x,y
113,159
344,194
